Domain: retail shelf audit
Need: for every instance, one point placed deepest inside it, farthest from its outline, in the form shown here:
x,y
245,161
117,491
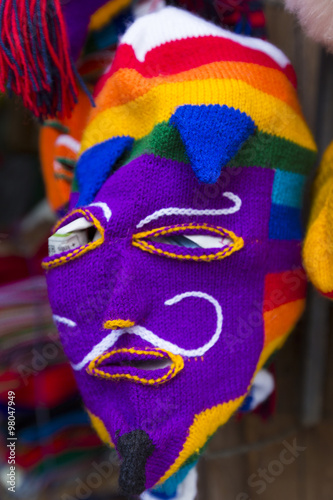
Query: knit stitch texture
x,y
318,244
165,339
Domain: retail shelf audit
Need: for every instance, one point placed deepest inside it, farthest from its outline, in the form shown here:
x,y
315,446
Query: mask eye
x,y
198,242
81,234
77,233
193,241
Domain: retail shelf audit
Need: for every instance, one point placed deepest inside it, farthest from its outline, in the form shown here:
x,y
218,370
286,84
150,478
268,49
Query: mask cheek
x,y
61,291
68,319
189,323
69,339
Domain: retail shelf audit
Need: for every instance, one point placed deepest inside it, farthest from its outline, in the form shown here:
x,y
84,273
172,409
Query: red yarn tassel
x,y
34,57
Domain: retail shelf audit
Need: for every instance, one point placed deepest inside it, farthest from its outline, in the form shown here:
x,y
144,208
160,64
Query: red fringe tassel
x,y
34,57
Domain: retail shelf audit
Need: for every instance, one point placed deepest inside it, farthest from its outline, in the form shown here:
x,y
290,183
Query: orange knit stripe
x,y
127,84
281,320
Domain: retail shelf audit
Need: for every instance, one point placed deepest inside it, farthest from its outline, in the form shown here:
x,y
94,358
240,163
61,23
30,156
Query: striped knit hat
x,y
189,183
42,41
57,147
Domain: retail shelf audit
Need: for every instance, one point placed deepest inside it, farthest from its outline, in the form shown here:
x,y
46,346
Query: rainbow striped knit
x,y
197,132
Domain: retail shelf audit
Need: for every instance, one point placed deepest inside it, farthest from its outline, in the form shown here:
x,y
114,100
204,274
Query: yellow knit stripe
x,y
318,245
271,348
138,117
317,249
206,423
291,310
100,429
282,319
128,84
204,426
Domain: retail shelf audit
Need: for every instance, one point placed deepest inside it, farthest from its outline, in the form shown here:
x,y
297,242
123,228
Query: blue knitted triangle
x,y
212,135
95,166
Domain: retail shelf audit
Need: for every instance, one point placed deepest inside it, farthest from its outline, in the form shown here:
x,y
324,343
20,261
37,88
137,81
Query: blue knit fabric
x,y
212,135
288,189
247,404
279,228
168,490
95,166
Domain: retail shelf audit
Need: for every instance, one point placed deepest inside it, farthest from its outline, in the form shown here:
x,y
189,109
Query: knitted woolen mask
x,y
190,179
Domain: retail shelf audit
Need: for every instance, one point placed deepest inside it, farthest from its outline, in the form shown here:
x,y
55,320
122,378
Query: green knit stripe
x,y
261,149
57,126
67,163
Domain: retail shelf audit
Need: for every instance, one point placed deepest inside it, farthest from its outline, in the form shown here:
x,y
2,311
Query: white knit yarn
x,y
156,341
63,320
187,490
106,210
192,211
171,23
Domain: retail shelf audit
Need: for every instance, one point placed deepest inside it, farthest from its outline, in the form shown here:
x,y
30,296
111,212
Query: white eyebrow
x,y
104,207
65,321
192,211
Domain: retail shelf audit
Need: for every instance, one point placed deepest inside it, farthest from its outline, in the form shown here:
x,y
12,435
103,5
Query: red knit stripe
x,y
187,54
281,288
329,295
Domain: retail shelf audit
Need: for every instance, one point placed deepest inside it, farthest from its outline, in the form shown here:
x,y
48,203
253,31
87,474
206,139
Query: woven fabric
x,y
128,301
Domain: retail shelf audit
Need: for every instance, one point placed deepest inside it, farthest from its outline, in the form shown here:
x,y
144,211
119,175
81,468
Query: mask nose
x,y
128,304
135,448
118,324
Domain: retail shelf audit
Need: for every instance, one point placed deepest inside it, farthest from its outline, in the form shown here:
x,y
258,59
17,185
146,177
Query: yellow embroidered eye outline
x,y
74,239
157,241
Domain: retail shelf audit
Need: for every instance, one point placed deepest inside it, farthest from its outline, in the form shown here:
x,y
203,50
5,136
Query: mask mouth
x,y
147,367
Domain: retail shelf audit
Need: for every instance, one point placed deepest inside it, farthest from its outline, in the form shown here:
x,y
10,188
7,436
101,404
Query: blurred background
x,y
58,455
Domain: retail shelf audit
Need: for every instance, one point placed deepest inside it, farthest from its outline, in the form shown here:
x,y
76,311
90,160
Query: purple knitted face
x,y
192,303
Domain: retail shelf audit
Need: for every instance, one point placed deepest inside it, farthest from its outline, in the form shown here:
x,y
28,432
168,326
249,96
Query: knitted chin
x,y
191,175
315,18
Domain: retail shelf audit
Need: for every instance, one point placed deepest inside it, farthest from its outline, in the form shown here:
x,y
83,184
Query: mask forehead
x,y
151,184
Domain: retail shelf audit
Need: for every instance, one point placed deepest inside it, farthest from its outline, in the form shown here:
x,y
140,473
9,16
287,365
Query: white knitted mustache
x,y
149,336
